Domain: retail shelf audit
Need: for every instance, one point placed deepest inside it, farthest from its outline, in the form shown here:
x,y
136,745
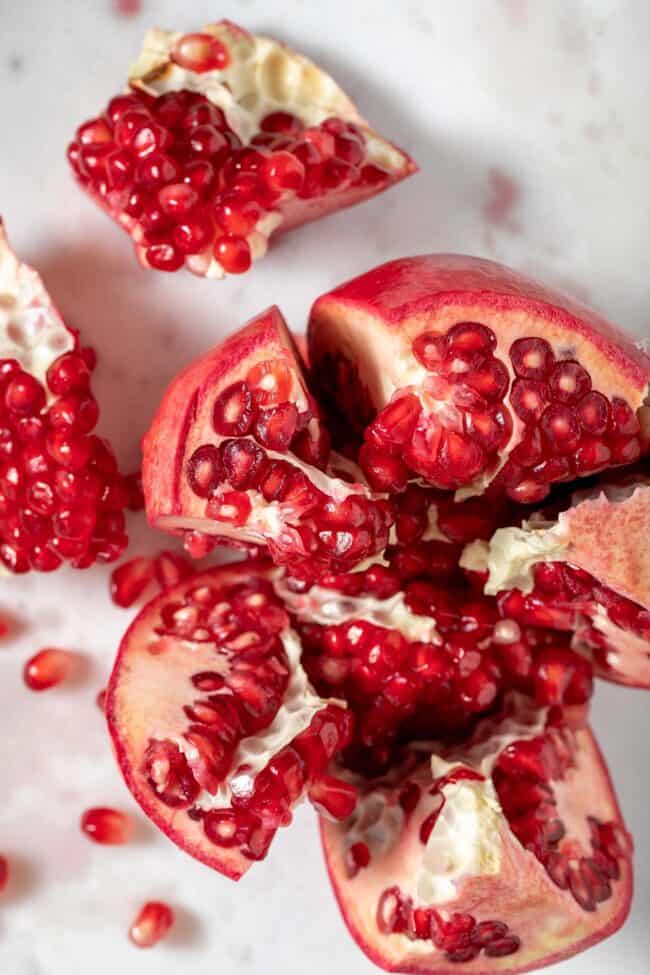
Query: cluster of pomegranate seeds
x,y
153,921
177,176
459,935
523,777
48,667
106,826
260,423
455,428
237,700
564,596
61,495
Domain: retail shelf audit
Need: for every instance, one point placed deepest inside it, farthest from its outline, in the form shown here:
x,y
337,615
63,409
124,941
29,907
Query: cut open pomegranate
x,y
62,497
585,570
445,633
238,450
217,730
223,139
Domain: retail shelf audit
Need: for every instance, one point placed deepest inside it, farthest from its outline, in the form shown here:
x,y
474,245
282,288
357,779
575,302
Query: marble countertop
x,y
531,124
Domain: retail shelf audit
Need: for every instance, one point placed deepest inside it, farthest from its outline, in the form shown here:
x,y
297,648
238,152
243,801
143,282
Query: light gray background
x,y
530,122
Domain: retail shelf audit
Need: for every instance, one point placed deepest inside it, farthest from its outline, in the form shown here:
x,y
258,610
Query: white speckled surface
x,y
531,123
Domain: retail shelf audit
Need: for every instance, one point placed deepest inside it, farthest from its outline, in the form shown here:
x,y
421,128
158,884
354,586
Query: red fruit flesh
x,y
479,378
510,865
588,572
61,494
216,728
198,177
237,449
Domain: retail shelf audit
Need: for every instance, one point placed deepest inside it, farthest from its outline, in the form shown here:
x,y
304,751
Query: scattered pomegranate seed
x,y
4,872
152,923
100,700
129,580
47,668
106,826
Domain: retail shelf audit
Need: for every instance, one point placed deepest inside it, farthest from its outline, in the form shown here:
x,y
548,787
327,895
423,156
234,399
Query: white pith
x,y
262,76
329,608
512,553
31,329
253,753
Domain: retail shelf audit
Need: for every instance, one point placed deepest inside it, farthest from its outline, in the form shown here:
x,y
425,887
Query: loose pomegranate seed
x,y
200,53
106,826
129,581
233,253
100,700
4,873
47,668
152,923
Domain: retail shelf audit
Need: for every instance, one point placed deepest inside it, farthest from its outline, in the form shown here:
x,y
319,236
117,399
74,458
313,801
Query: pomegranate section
x,y
62,497
223,139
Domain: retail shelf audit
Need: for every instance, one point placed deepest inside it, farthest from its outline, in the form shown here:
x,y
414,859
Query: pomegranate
x,y
444,632
223,139
238,451
241,735
585,570
61,495
153,921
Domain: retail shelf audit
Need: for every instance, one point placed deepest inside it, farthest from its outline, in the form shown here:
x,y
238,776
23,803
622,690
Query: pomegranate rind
x,y
549,922
374,319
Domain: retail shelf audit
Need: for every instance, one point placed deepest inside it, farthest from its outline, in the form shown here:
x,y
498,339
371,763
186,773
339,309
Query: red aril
x,y
4,873
198,179
108,827
57,479
47,668
130,580
152,923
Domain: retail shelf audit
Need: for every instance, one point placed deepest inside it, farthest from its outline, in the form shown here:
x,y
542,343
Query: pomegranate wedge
x,y
216,728
585,570
502,854
237,450
463,374
61,495
222,139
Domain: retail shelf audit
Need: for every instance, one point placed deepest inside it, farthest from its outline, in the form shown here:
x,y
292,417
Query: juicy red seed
x,y
70,451
243,462
276,428
24,395
106,826
592,455
568,382
199,174
560,428
68,374
75,411
157,169
383,472
200,53
47,668
120,105
593,413
4,873
282,172
503,946
397,420
129,581
100,700
624,419
207,140
357,857
164,257
177,199
491,380
528,399
269,382
232,413
233,507
237,216
333,797
170,568
471,338
222,827
193,233
204,470
532,358
233,253
151,924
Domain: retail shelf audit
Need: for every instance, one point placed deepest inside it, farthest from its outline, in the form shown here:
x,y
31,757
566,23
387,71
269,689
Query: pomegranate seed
x,y
569,382
24,395
4,873
357,857
276,428
269,382
333,797
282,172
47,668
233,507
207,140
100,700
281,122
233,253
200,53
68,374
151,924
560,428
243,462
528,399
106,826
129,581
624,419
170,568
238,217
164,257
193,233
593,413
532,358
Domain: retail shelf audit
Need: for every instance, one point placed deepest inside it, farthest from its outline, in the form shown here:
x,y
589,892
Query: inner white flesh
x,y
31,329
626,651
253,753
261,77
512,553
329,608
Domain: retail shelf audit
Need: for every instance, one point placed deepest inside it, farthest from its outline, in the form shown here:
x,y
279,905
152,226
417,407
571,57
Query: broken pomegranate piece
x,y
585,570
62,497
217,730
238,451
223,139
467,376
504,853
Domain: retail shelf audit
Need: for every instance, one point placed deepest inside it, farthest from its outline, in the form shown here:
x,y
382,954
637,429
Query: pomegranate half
x,y
61,494
223,139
